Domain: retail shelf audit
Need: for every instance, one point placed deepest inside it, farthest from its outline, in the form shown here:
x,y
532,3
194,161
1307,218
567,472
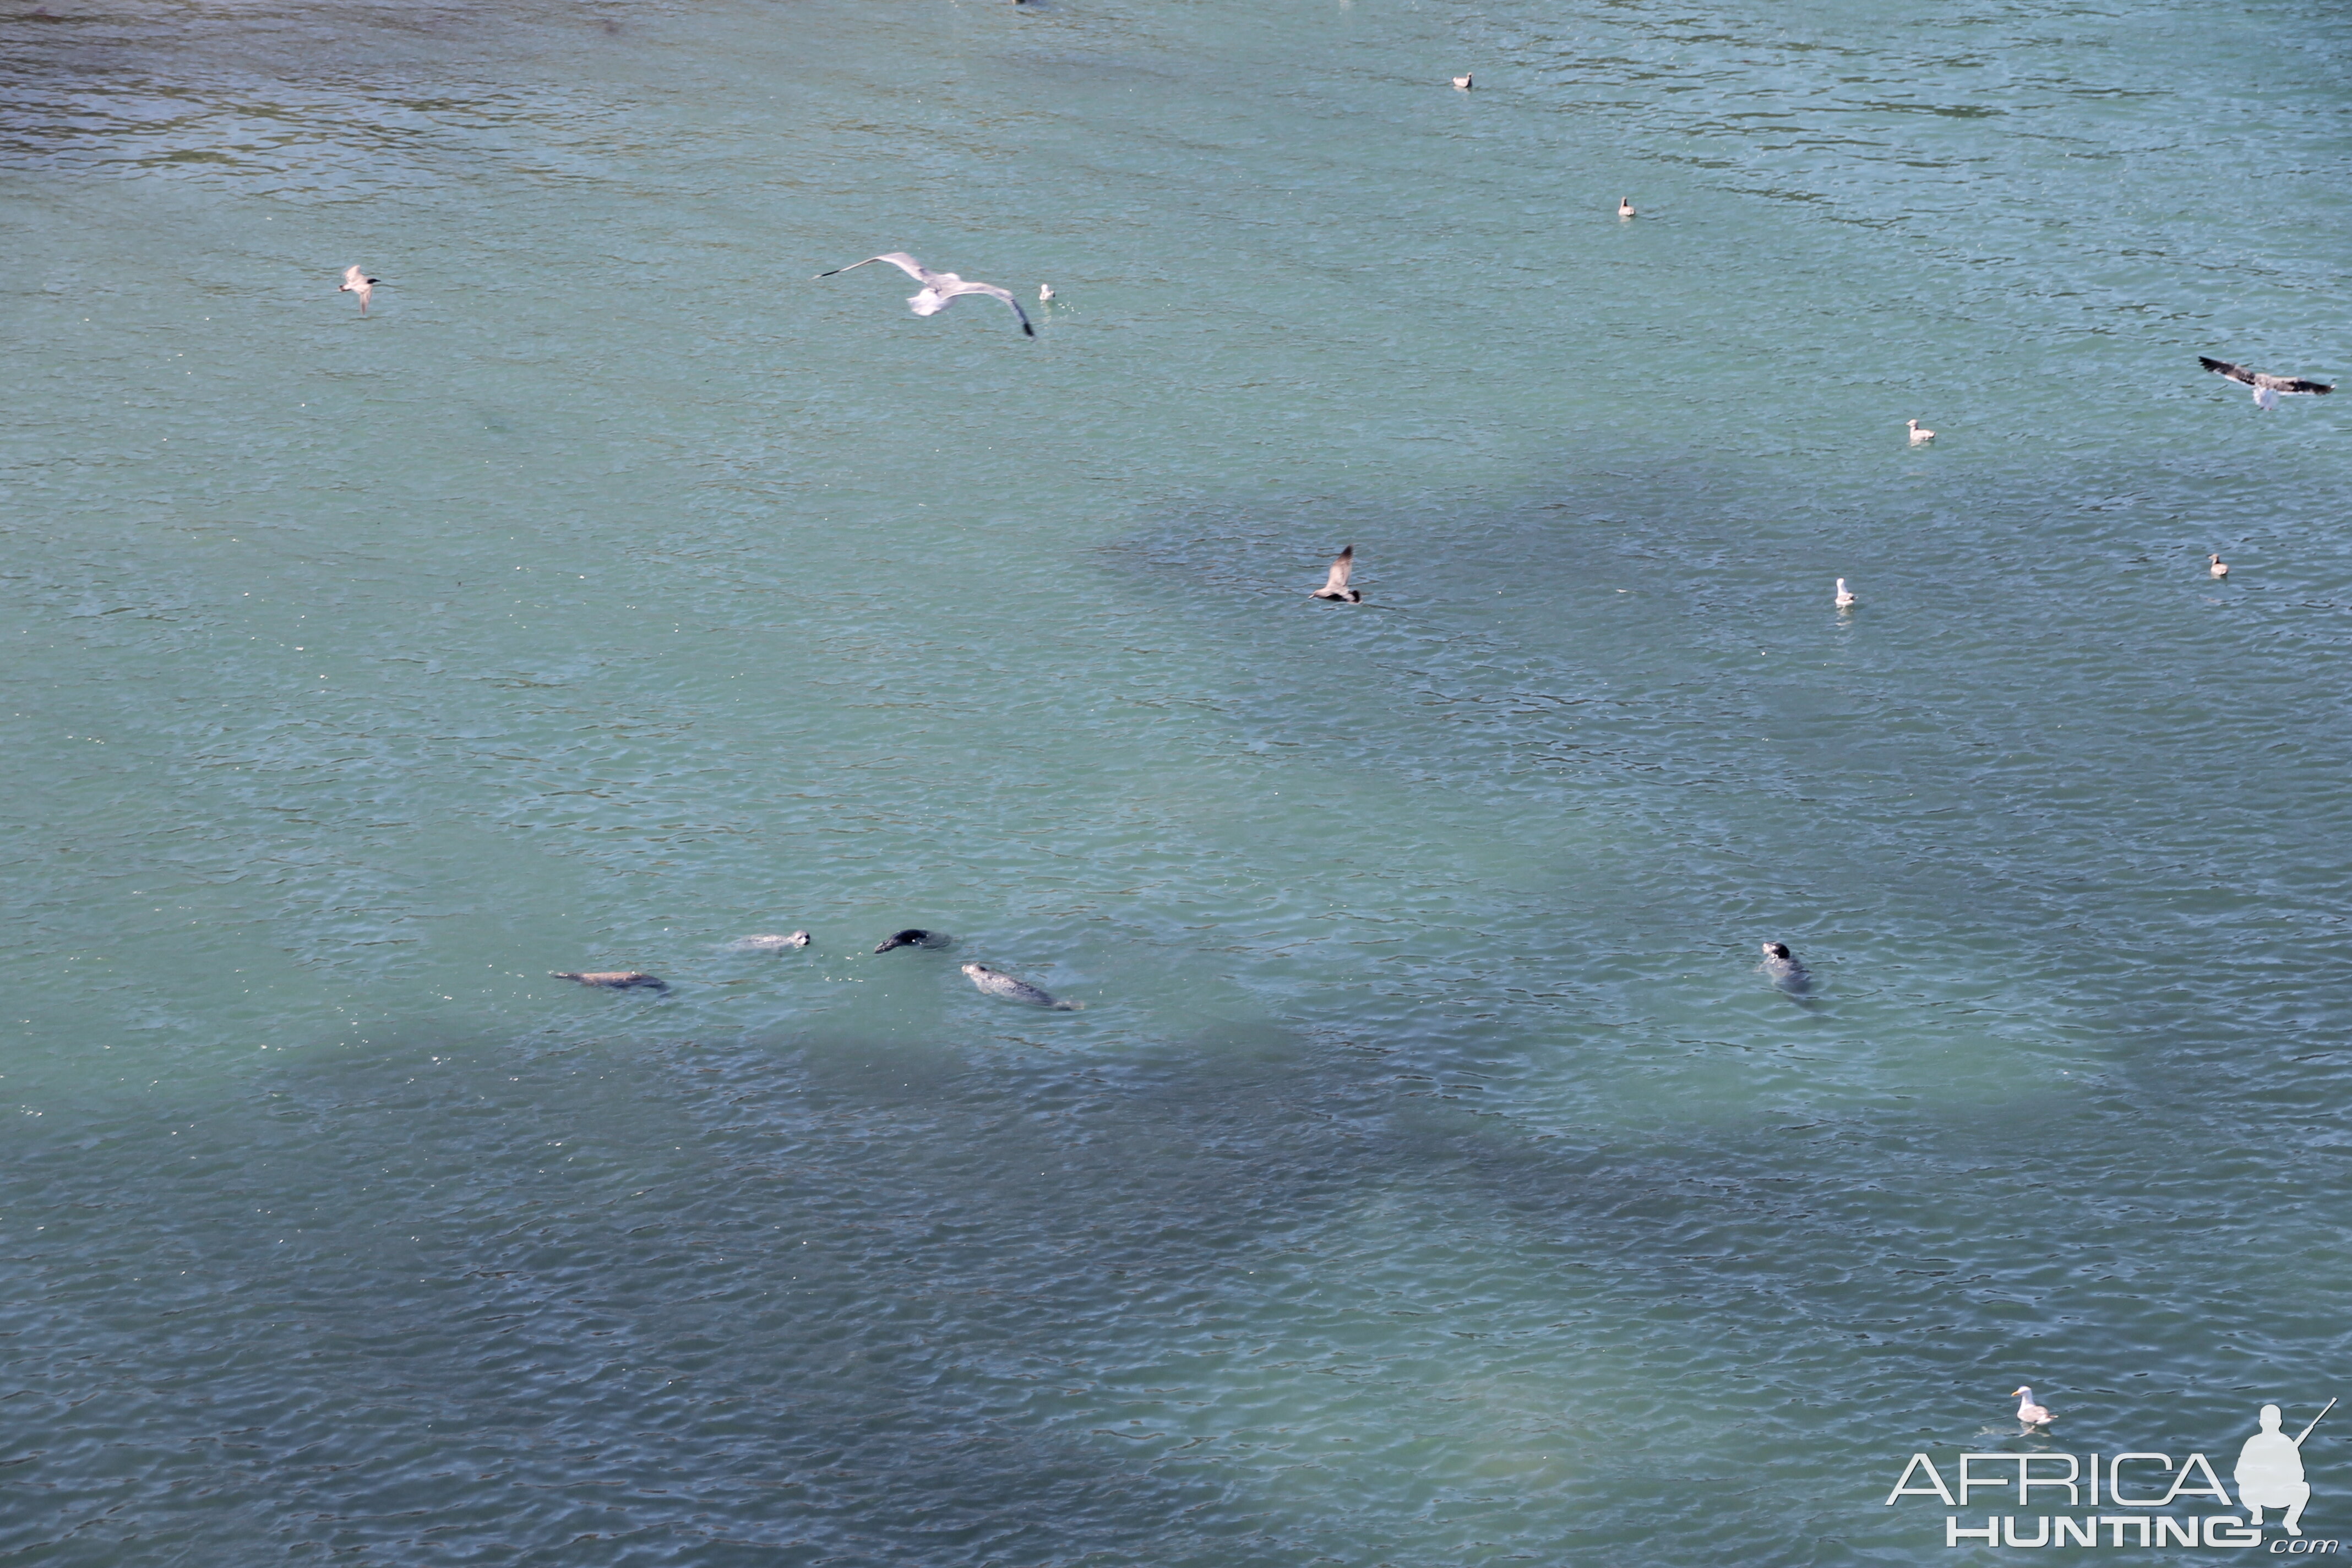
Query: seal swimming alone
x,y
612,979
769,943
1781,964
914,936
996,983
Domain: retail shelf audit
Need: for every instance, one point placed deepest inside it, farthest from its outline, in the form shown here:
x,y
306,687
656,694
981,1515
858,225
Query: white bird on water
x,y
1625,207
1918,436
356,282
939,289
1045,292
2266,386
1845,599
1335,587
2220,568
1463,82
2029,1415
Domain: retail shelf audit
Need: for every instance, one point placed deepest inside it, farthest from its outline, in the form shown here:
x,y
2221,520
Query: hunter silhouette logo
x,y
2270,1471
2269,1475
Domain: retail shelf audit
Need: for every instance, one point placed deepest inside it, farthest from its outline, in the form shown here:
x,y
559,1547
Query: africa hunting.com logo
x,y
2269,1475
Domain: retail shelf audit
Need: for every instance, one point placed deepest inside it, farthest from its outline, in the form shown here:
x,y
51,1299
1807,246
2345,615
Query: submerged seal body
x,y
996,983
613,979
769,943
915,937
1783,967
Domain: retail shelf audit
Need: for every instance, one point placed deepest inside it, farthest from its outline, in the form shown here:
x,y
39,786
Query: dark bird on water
x,y
1787,971
2267,387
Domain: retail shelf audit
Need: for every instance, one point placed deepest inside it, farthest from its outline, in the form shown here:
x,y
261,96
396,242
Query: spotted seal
x,y
613,979
769,944
996,983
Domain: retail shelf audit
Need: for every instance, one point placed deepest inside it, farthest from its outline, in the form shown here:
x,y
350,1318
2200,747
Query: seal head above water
x,y
996,983
613,979
915,937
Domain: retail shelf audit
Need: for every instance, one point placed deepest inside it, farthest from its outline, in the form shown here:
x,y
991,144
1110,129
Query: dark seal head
x,y
613,979
915,937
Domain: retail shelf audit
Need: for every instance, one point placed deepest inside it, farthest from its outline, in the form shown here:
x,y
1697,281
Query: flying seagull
x,y
1335,587
2266,387
356,282
939,288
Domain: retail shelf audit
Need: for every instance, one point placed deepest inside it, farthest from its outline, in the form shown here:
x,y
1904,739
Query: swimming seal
x,y
996,983
613,979
769,943
912,937
1783,967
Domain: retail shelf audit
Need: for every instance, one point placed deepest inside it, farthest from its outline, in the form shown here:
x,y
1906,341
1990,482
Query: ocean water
x,y
1430,1178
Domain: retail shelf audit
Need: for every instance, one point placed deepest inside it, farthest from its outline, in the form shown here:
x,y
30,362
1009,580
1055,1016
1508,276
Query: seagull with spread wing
x,y
1335,587
2266,387
939,289
357,281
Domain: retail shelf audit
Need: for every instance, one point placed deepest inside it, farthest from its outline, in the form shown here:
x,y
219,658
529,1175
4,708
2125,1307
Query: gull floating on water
x,y
2220,568
939,289
1845,599
1918,436
1045,292
1787,971
1625,207
356,282
1335,587
2029,1415
1463,82
2266,387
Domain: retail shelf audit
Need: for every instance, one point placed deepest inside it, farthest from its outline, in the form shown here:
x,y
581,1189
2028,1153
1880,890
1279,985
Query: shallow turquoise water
x,y
1430,1177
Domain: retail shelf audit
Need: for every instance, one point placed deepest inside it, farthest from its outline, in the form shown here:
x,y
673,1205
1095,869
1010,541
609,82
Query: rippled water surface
x,y
1430,1177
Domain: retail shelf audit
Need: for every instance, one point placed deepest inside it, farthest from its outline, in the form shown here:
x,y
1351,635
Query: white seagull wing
x,y
1341,565
898,258
963,286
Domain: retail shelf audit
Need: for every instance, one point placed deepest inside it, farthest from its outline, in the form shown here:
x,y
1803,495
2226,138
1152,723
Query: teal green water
x,y
1430,1177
